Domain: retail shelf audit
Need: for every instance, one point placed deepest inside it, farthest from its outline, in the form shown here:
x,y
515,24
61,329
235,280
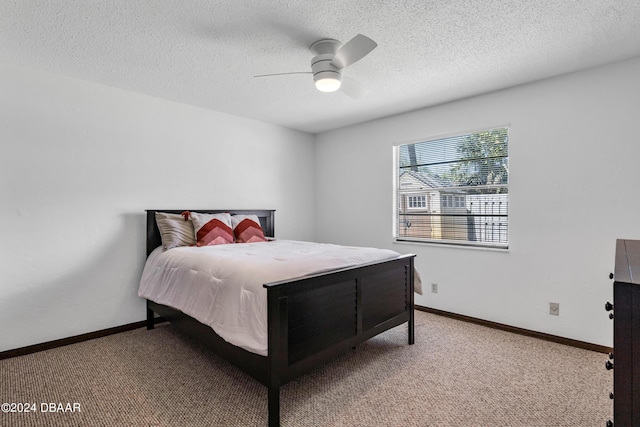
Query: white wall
x,y
574,157
81,162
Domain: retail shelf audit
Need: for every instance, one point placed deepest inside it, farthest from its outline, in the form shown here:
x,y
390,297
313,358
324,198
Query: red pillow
x,y
212,229
247,229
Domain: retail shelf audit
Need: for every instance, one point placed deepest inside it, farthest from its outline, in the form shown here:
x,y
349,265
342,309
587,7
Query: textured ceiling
x,y
206,52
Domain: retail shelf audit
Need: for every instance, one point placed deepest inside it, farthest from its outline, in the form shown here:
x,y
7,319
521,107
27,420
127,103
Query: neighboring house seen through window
x,y
454,190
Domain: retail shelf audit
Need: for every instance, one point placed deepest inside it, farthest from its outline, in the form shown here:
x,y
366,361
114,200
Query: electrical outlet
x,y
554,308
434,288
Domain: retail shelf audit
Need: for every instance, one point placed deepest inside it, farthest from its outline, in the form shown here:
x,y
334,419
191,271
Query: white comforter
x,y
221,286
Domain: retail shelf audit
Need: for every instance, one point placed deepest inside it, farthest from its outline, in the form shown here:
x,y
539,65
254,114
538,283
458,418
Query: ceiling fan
x,y
330,59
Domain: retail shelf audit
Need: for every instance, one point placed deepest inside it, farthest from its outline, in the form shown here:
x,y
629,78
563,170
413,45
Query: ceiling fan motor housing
x,y
321,65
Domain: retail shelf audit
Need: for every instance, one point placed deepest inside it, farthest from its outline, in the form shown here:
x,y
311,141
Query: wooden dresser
x,y
626,334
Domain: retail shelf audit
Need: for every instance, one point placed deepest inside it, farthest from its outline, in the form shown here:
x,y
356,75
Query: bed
x,y
310,319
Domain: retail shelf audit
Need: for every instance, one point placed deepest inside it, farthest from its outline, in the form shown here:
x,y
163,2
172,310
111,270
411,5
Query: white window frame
x,y
497,221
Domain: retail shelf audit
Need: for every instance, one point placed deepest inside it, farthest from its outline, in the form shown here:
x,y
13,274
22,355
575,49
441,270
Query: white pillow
x,y
175,230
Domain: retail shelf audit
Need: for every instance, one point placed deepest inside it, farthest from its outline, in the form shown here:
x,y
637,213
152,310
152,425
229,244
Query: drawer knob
x,y
608,306
610,275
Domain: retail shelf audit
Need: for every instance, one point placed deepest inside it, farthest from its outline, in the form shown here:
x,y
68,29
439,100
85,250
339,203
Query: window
x,y
453,190
450,201
417,202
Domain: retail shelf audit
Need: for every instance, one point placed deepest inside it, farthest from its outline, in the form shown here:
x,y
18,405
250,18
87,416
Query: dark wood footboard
x,y
315,318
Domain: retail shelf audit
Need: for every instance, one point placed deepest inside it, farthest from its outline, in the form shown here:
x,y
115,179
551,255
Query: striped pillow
x,y
247,229
175,230
212,229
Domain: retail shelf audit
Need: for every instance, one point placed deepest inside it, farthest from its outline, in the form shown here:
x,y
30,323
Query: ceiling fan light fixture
x,y
329,84
327,81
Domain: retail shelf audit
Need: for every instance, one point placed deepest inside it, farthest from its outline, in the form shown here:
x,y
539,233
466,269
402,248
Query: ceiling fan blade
x,y
353,88
283,74
353,50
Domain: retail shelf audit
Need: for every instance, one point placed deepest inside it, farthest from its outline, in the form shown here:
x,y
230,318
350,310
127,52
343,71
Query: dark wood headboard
x,y
266,217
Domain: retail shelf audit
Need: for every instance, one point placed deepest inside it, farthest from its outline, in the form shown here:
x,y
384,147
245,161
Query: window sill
x,y
447,244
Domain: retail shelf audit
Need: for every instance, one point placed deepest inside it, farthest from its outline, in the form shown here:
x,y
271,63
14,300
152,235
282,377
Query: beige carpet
x,y
456,374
